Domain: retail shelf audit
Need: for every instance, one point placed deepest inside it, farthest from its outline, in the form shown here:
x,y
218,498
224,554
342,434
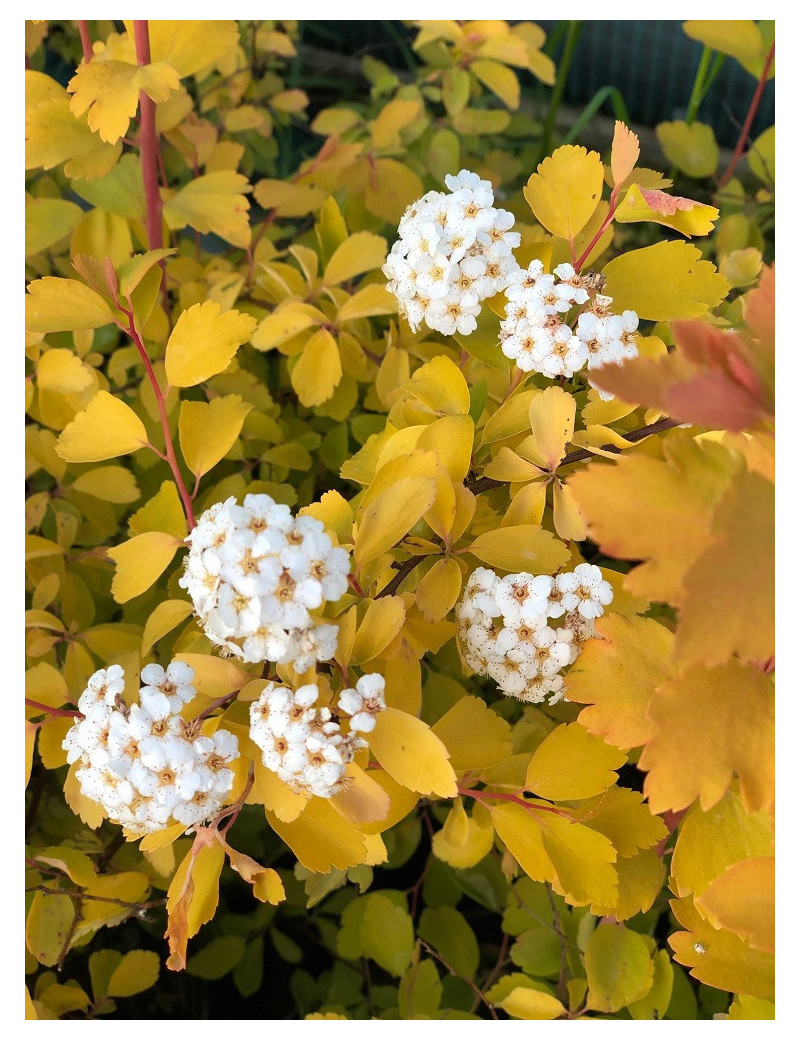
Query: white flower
x,y
454,250
505,631
254,573
136,762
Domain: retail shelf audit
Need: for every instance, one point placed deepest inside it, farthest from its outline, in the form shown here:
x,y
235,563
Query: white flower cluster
x,y
504,629
535,335
254,573
453,252
303,743
145,764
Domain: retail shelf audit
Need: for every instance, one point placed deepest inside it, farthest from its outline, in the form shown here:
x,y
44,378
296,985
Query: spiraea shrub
x,y
399,535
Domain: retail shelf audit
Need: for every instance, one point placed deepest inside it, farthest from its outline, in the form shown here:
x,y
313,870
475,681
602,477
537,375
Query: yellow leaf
x,y
712,841
480,121
53,135
583,860
335,513
523,548
625,819
568,520
137,971
164,618
618,968
318,370
565,191
464,840
742,900
438,591
205,869
684,215
743,1008
738,37
664,282
499,79
474,735
110,89
383,620
526,1003
366,303
288,200
718,957
391,515
89,811
321,838
190,46
76,865
683,764
215,203
641,880
140,562
440,384
362,800
47,221
266,882
107,428
131,273
451,438
552,417
571,763
391,187
519,829
63,371
47,927
109,483
511,418
204,341
391,119
690,147
624,152
276,797
361,252
412,754
214,676
618,674
209,431
284,323
64,305
162,513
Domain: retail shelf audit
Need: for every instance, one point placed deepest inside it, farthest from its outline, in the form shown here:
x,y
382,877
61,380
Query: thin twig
x,y
470,982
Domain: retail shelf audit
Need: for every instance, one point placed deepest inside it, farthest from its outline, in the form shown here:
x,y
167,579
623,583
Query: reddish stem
x,y
497,795
148,142
355,586
55,712
86,41
612,206
751,114
186,498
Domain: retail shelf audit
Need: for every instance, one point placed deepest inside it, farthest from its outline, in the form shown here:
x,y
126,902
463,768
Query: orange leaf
x,y
711,725
624,152
618,674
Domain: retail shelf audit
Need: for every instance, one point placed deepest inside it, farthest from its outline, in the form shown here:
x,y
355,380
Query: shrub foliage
x,y
207,318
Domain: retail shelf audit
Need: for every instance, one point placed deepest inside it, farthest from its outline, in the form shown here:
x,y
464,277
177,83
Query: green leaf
x,y
218,958
387,934
449,934
618,968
